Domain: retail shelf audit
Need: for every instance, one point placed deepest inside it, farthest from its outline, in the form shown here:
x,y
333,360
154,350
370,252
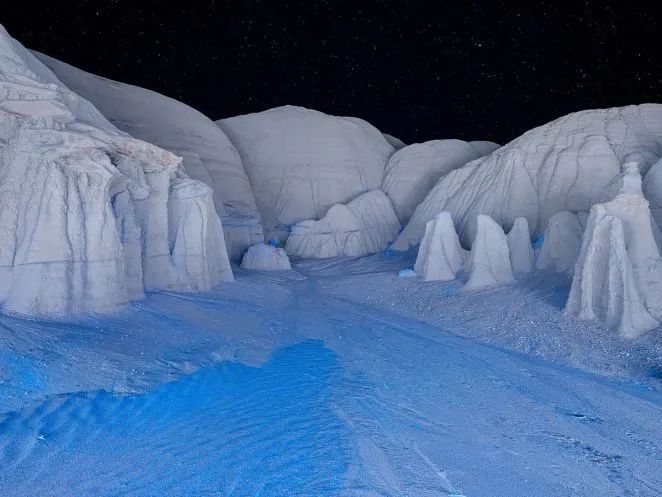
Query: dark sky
x,y
416,69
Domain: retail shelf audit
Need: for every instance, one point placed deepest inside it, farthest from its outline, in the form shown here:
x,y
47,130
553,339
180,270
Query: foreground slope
x,y
300,162
328,392
208,154
90,215
561,166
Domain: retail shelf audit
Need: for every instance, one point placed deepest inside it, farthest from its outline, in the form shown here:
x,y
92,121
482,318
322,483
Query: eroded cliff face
x,y
208,155
412,171
561,166
300,162
618,275
364,226
90,216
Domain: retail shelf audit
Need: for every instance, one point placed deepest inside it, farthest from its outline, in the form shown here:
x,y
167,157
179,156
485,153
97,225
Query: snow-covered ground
x,y
336,378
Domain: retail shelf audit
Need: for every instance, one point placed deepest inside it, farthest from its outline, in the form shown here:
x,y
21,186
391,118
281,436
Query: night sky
x,y
418,70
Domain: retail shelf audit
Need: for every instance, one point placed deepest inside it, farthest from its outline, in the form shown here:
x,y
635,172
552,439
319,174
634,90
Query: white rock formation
x,y
604,286
366,225
266,258
618,278
85,208
440,256
652,187
483,147
519,245
300,162
396,143
562,243
561,166
208,154
195,236
412,171
489,261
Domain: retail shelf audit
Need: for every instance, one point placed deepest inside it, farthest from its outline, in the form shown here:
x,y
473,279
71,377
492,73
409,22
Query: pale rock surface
x,y
618,278
652,187
195,237
483,147
396,143
604,287
440,256
84,207
561,243
412,171
208,155
366,225
519,245
489,261
300,162
561,166
266,258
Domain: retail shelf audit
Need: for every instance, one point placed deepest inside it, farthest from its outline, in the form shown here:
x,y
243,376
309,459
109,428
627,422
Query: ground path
x,y
349,401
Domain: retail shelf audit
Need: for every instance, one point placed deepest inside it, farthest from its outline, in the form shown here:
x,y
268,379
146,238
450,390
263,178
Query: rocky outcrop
x,y
300,162
396,143
618,278
85,208
561,166
562,242
365,225
265,257
412,171
488,264
440,256
519,245
208,155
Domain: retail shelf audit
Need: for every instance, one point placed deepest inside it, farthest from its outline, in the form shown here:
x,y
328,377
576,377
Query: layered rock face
x,y
365,225
440,256
562,242
519,245
89,215
652,188
412,171
397,143
208,155
300,162
561,166
489,261
618,277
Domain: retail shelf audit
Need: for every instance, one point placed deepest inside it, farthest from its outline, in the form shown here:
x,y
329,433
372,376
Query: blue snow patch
x,y
450,289
407,273
225,430
25,374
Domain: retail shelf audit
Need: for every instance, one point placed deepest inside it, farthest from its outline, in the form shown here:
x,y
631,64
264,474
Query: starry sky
x,y
419,70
